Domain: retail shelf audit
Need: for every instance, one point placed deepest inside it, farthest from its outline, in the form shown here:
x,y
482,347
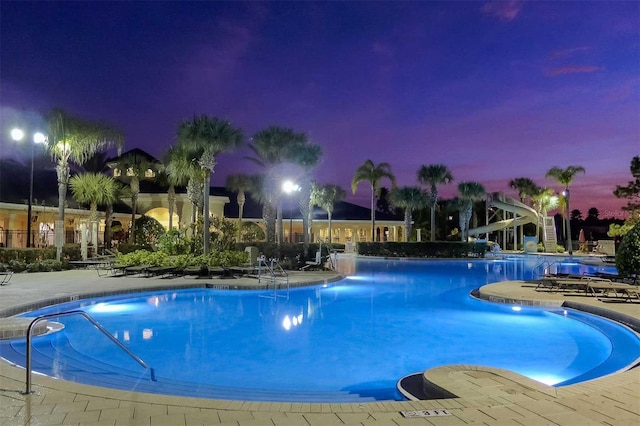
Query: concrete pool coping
x,y
486,395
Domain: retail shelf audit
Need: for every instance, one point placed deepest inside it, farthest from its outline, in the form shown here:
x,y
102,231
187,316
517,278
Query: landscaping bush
x,y
173,242
148,231
440,249
628,256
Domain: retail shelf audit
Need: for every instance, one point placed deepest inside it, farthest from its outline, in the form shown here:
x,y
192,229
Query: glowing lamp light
x,y
17,134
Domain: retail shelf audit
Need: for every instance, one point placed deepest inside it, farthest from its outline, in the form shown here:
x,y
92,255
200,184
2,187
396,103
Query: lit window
x,y
149,173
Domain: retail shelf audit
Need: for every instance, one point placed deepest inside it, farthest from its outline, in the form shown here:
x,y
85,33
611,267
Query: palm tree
x,y
543,200
204,138
470,192
121,193
373,174
73,140
239,183
565,177
307,157
525,187
93,189
134,166
272,148
325,197
170,175
409,198
434,175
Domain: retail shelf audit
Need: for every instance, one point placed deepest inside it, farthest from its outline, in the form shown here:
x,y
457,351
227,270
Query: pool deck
x,y
485,395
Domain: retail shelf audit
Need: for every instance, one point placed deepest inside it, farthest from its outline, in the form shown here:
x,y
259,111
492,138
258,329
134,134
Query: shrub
x,y
628,256
148,231
441,249
173,242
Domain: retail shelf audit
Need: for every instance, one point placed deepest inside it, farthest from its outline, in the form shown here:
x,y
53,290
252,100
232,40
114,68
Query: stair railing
x,y
94,323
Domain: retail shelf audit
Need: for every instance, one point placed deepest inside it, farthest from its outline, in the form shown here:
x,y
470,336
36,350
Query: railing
x,y
277,275
92,321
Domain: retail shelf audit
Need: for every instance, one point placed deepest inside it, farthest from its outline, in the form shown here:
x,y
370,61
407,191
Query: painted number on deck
x,y
425,413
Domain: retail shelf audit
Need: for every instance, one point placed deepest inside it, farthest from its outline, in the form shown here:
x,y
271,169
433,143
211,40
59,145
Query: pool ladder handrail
x,y
548,264
277,275
92,321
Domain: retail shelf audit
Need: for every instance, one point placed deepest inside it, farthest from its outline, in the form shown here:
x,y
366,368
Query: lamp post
x,y
38,138
289,187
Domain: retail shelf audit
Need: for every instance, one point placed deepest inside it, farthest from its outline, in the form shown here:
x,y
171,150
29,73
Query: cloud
x,y
572,69
568,53
504,11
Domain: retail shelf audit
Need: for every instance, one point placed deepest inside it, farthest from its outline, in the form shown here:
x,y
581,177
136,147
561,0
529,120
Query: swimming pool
x,y
346,341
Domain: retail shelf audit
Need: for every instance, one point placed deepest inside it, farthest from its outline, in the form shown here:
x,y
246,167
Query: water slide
x,y
525,214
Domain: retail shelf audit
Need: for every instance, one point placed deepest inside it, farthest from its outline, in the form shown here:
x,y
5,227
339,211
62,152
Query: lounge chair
x,y
5,277
621,291
314,264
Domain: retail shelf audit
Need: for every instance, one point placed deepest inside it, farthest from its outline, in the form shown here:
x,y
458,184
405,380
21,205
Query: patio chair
x,y
314,264
5,277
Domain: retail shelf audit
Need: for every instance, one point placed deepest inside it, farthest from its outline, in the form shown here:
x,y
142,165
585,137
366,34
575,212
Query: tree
x,y
204,138
134,166
434,175
632,190
239,183
593,214
74,140
373,174
576,214
272,148
408,198
306,156
565,177
168,177
543,200
94,189
628,256
525,186
326,196
383,204
469,193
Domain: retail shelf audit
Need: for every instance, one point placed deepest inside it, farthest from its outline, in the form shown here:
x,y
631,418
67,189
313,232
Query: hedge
x,y
439,249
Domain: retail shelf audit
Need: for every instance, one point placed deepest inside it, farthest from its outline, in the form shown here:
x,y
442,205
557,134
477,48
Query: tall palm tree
x,y
326,196
259,193
272,148
121,192
307,157
171,176
434,175
74,140
239,183
204,138
94,189
565,177
373,174
525,187
469,193
134,167
409,198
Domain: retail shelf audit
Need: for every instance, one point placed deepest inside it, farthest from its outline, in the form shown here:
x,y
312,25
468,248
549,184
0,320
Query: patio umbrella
x,y
582,240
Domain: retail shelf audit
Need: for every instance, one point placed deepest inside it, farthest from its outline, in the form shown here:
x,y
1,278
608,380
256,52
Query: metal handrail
x,y
92,321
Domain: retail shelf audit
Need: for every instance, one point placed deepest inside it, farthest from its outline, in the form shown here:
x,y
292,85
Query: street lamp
x,y
288,188
38,138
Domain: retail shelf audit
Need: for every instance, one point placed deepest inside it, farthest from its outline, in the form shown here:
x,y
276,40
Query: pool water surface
x,y
346,341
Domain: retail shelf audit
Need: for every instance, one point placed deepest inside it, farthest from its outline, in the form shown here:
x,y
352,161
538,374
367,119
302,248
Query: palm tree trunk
x,y
305,196
433,221
330,227
172,204
373,213
63,179
407,224
268,217
280,231
108,221
134,206
241,200
206,234
568,221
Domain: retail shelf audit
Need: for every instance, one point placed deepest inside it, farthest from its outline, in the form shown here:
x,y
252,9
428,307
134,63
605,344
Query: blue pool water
x,y
347,341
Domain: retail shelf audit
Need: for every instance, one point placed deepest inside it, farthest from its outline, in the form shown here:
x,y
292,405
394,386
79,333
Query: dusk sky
x,y
493,90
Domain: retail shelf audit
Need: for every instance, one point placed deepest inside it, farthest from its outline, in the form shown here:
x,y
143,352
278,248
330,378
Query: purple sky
x,y
494,90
